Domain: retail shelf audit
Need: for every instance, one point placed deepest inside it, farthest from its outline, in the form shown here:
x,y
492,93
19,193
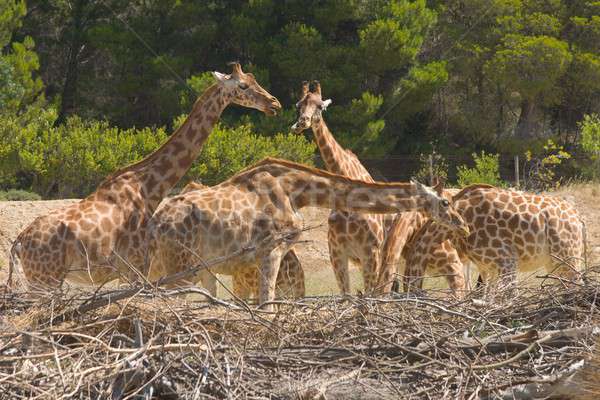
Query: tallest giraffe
x,y
103,236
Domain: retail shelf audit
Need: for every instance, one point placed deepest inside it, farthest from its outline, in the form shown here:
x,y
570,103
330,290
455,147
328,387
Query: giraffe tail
x,y
13,260
585,248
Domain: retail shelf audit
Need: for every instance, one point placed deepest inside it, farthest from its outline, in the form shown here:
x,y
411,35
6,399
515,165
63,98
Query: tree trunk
x,y
525,125
69,91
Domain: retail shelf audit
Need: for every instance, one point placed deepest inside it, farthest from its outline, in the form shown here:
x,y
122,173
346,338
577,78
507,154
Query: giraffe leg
x,y
241,286
569,259
269,269
371,269
290,280
413,277
455,276
339,262
209,282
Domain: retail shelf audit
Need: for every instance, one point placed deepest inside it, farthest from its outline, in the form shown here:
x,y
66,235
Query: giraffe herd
x,y
129,230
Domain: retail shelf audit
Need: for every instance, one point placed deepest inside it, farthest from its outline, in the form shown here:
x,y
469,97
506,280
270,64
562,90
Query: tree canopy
x,y
462,75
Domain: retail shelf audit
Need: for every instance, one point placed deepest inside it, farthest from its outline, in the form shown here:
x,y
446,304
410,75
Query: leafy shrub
x,y
590,143
228,150
439,170
71,159
541,166
486,170
18,195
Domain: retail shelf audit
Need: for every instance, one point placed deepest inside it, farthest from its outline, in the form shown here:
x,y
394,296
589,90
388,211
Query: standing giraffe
x,y
442,258
290,280
261,203
351,236
510,231
103,236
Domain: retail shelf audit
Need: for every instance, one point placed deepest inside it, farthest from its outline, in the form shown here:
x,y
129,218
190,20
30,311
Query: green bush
x,y
486,170
18,195
439,170
229,150
71,159
590,143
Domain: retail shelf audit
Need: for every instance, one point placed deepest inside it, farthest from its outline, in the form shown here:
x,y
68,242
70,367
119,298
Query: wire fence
x,y
514,170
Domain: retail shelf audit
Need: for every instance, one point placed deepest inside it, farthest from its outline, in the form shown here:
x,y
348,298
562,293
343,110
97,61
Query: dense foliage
x,y
405,75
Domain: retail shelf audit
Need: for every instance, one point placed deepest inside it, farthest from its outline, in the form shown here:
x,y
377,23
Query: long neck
x,y
337,159
404,227
436,234
340,193
161,170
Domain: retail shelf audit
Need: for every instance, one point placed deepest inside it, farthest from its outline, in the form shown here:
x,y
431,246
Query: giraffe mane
x,y
143,162
470,188
318,172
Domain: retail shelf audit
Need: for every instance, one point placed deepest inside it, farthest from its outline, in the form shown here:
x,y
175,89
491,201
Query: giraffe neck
x,y
161,170
433,234
335,157
306,186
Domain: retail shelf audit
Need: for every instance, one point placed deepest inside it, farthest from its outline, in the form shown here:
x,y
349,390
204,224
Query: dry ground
x,y
16,215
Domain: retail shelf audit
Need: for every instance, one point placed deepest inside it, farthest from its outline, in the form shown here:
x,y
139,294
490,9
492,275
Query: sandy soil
x,y
16,215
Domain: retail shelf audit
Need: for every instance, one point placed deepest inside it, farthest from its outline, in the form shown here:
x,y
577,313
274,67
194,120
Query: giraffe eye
x,y
445,203
243,85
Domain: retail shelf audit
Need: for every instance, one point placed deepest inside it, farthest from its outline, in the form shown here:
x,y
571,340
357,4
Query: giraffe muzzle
x,y
273,108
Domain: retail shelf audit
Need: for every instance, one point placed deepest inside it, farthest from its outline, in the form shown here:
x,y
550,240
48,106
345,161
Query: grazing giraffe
x,y
351,236
442,259
290,280
510,231
103,236
261,203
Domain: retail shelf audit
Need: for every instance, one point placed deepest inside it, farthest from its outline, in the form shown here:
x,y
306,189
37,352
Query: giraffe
x,y
443,259
290,280
510,231
103,236
261,203
351,236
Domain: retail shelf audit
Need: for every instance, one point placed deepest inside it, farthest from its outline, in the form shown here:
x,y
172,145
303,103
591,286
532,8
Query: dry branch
x,y
145,342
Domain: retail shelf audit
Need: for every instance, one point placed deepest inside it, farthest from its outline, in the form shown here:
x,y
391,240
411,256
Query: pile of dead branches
x,y
181,344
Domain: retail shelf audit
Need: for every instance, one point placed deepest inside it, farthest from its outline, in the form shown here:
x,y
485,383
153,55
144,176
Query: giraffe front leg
x,y
413,276
339,262
268,271
209,282
244,285
371,269
455,276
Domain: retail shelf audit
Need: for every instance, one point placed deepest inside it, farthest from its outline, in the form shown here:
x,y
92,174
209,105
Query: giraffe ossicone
x,y
103,236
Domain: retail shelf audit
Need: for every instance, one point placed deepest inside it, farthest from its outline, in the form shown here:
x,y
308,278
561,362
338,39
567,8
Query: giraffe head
x,y
309,107
243,89
440,209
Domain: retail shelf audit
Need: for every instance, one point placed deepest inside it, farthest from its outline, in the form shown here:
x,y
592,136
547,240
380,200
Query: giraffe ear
x,y
419,185
220,77
326,104
439,186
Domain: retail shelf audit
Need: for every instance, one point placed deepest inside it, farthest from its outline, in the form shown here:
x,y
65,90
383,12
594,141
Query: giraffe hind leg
x,y
290,280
